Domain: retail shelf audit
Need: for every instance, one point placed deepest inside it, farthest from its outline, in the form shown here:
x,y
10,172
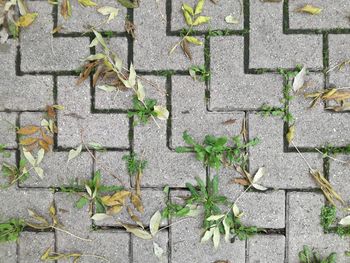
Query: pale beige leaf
x,y
214,217
216,237
139,232
230,19
158,251
345,221
74,152
207,235
155,223
100,216
299,79
162,112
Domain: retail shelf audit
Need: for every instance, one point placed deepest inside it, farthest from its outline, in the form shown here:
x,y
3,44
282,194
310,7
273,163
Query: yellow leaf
x,y
291,133
116,199
136,201
188,17
26,20
28,141
310,9
140,92
199,7
28,130
194,40
86,3
187,8
201,20
114,210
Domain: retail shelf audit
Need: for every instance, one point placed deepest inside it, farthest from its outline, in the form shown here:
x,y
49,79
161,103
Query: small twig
x,y
71,234
302,156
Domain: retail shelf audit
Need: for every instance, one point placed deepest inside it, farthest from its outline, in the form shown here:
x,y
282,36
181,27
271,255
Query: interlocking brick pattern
x,y
39,69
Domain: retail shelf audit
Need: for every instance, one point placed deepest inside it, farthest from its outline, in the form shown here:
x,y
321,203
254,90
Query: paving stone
x,y
7,131
338,53
110,165
115,100
189,113
58,172
266,249
153,200
8,252
263,209
270,48
107,129
84,17
317,127
303,228
157,56
334,15
112,245
285,170
33,245
21,92
185,241
56,54
163,168
23,199
230,87
217,13
143,250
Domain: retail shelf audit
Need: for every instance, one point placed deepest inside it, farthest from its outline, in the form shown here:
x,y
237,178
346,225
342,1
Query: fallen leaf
x,y
309,9
158,251
290,134
134,217
40,157
136,201
100,217
194,40
216,237
26,20
345,221
30,158
199,7
114,210
214,217
139,232
299,79
28,130
140,91
109,11
39,171
74,152
66,9
87,3
128,3
162,112
207,235
116,199
201,20
155,223
241,181
228,122
230,19
185,48
107,88
227,230
28,141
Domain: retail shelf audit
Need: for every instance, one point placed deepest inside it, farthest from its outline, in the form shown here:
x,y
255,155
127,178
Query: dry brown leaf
x,y
28,141
134,217
326,187
241,181
114,210
88,67
130,28
228,122
66,10
136,201
116,199
44,145
138,183
51,113
46,138
186,49
28,130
